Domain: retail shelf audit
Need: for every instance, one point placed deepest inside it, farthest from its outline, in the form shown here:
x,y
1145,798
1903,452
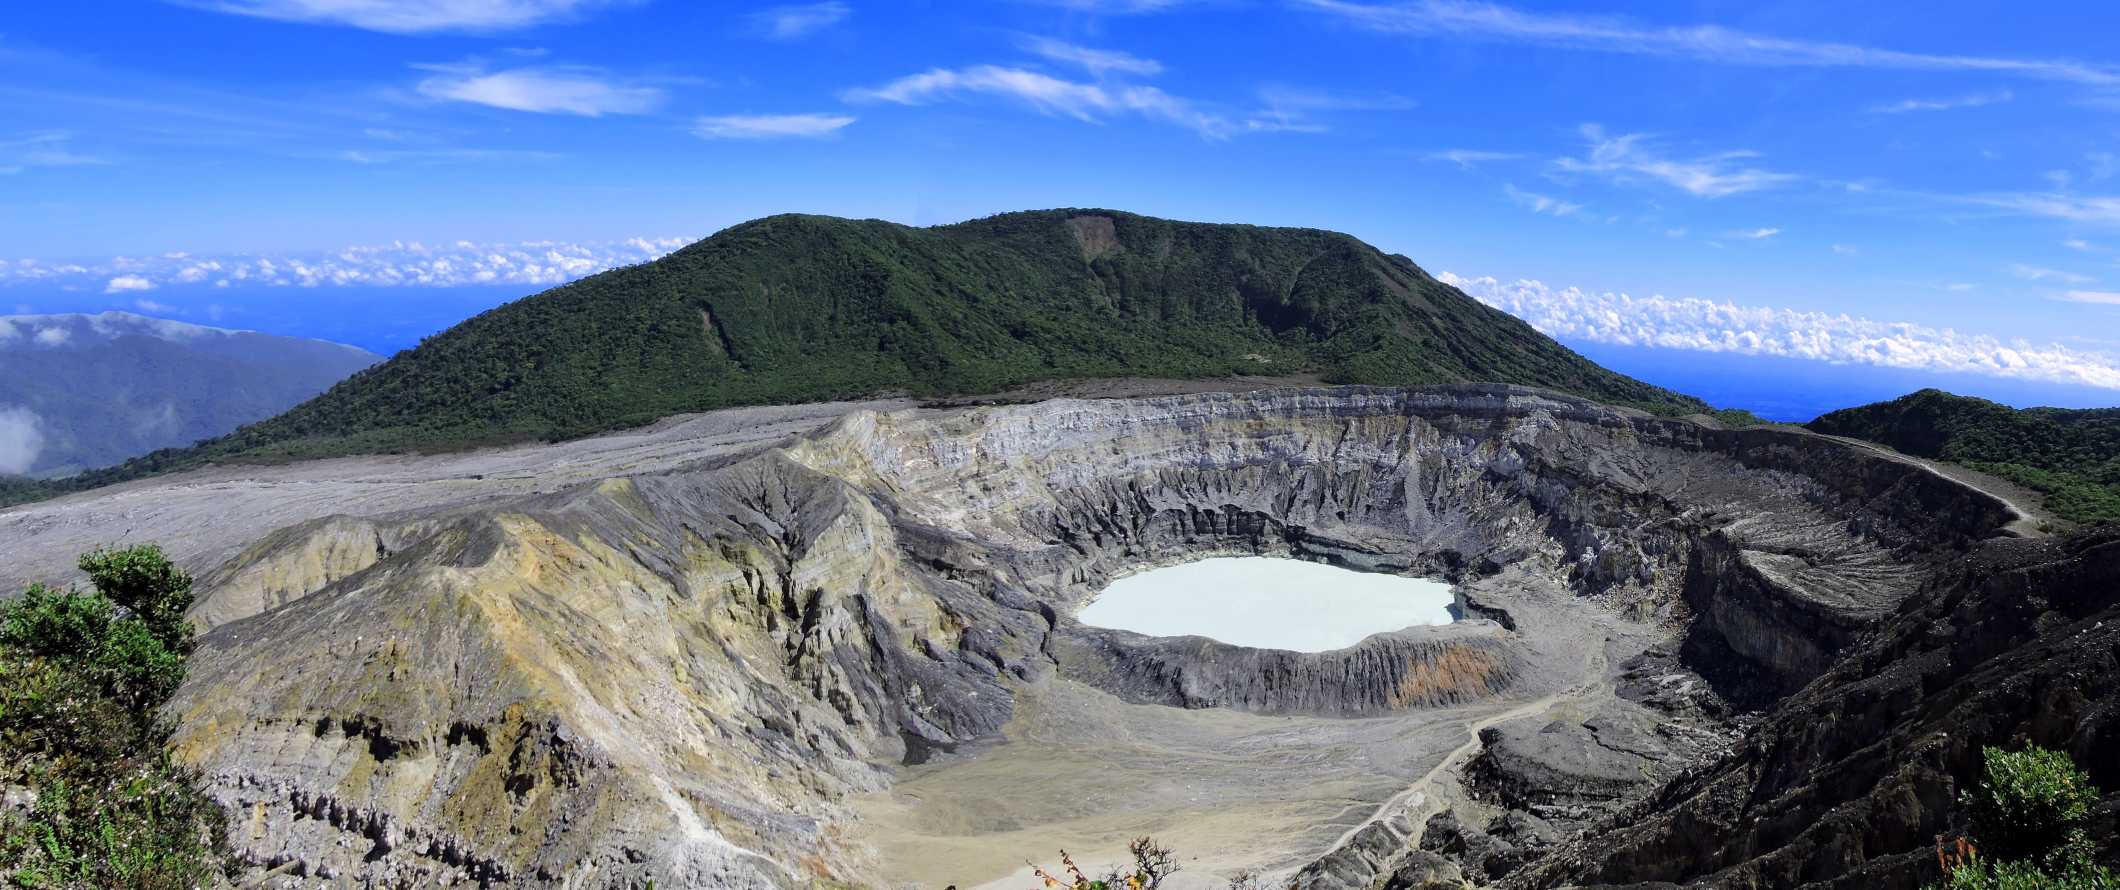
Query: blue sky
x,y
1929,187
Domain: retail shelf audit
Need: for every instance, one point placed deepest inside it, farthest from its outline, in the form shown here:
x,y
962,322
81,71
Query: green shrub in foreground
x,y
81,677
2030,814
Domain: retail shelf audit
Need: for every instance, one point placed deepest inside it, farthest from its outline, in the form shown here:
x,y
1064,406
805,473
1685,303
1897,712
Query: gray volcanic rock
x,y
681,675
1848,783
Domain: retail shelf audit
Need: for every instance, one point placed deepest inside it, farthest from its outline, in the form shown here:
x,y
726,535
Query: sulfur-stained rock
x,y
681,675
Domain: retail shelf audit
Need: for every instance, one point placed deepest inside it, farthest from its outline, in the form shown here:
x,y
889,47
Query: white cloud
x,y
1969,100
1845,249
2082,245
1470,157
1538,203
555,90
1705,43
2108,298
1627,157
1098,62
1759,234
800,20
145,305
2037,273
770,126
21,439
1705,325
124,283
398,264
1048,94
53,336
412,16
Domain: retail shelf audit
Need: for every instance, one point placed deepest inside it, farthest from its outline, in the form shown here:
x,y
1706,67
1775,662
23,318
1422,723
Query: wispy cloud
x,y
1089,102
1708,326
2082,245
1969,100
1759,234
770,126
1098,62
398,264
412,16
2038,273
1292,109
1846,249
441,155
797,21
1705,43
1632,156
1537,203
1115,7
45,148
2103,209
2107,298
1470,157
583,91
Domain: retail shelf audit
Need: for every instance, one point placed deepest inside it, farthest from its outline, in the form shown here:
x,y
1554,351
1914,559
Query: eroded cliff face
x,y
1848,783
678,676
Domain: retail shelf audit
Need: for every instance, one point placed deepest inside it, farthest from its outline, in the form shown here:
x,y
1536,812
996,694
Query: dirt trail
x,y
2030,523
1418,804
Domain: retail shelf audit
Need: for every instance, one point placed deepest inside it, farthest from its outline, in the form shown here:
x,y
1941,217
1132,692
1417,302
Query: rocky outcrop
x,y
677,676
1413,668
1848,783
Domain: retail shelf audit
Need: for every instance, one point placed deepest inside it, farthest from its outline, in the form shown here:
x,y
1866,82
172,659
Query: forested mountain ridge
x,y
798,308
2070,454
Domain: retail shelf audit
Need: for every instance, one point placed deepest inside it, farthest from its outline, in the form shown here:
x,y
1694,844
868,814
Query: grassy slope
x,y
797,308
2072,455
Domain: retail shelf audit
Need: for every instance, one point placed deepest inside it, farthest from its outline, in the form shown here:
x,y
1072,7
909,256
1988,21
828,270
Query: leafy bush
x,y
2029,816
81,677
2032,805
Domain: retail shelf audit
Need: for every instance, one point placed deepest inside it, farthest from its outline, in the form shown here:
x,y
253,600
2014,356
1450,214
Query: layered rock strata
x,y
678,675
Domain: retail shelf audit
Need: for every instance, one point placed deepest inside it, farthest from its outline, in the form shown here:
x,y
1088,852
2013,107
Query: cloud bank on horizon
x,y
1701,325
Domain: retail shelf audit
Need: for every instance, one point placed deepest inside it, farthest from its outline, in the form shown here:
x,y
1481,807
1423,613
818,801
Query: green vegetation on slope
x,y
2072,455
81,675
803,308
2030,816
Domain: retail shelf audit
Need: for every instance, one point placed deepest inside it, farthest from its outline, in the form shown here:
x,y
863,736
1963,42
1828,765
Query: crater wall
x,y
679,675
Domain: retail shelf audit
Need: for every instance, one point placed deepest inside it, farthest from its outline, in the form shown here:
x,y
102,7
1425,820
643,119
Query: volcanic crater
x,y
851,653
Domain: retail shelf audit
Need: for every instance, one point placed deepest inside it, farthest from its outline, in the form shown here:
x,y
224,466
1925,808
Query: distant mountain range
x,y
2071,455
83,391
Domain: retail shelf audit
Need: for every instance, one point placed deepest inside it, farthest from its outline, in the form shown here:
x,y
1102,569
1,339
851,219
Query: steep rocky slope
x,y
683,674
1848,783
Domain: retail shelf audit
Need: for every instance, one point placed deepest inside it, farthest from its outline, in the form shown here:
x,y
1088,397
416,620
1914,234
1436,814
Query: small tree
x,y
1152,863
82,675
148,585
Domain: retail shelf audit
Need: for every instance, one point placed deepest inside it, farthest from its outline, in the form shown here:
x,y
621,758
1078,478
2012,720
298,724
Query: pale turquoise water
x,y
1268,603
